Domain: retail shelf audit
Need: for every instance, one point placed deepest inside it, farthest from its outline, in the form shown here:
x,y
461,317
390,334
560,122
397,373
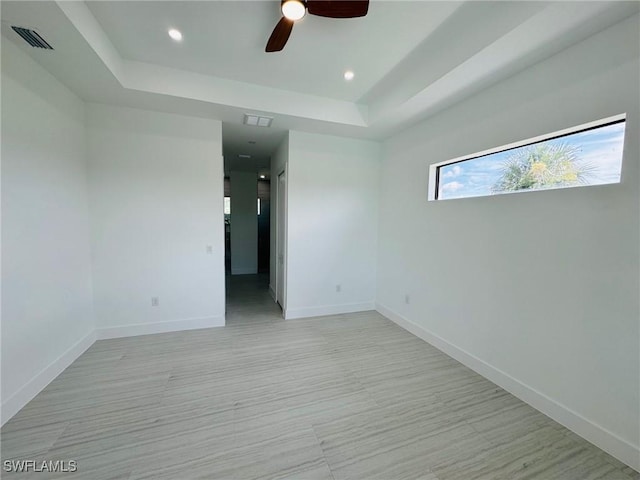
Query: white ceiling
x,y
411,58
227,39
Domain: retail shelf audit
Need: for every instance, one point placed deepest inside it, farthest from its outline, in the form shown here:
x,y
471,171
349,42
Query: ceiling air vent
x,y
257,120
32,38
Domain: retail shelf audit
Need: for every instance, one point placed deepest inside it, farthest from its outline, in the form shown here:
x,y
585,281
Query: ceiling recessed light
x,y
263,176
348,75
175,34
293,9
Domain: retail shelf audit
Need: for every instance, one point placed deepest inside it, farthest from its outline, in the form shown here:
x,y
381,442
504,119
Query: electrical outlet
x,y
155,301
407,299
338,288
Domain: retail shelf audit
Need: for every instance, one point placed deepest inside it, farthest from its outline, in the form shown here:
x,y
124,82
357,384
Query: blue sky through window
x,y
599,149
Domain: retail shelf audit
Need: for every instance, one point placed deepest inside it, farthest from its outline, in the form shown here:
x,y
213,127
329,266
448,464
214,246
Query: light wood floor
x,y
346,396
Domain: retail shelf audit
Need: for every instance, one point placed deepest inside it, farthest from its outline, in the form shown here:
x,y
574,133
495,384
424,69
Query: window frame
x,y
434,169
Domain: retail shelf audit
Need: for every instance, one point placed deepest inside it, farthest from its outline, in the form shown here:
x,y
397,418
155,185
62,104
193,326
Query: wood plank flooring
x,y
342,397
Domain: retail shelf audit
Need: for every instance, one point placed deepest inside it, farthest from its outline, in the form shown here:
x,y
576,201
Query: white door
x,y
281,236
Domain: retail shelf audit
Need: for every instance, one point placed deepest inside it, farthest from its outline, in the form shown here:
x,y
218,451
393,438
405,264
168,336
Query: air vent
x,y
257,120
32,38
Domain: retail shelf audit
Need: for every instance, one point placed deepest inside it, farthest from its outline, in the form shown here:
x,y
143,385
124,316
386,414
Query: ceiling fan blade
x,y
338,8
280,35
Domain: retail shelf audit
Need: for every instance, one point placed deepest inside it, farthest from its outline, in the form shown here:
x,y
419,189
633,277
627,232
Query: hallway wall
x,y
264,225
244,222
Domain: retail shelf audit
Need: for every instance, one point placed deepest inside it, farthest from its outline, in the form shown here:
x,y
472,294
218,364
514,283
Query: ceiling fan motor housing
x,y
293,10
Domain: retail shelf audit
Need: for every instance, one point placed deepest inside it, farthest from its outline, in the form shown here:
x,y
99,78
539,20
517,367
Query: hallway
x,y
249,301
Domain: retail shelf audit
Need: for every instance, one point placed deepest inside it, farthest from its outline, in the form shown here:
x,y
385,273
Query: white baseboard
x,y
272,292
590,431
306,312
33,387
159,327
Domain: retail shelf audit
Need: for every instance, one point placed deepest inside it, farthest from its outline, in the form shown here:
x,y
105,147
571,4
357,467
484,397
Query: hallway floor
x,y
249,301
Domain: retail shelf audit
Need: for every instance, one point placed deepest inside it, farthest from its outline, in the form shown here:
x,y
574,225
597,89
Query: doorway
x,y
248,226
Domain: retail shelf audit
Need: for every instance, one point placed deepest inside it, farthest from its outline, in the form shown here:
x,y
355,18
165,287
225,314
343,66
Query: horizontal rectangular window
x,y
589,154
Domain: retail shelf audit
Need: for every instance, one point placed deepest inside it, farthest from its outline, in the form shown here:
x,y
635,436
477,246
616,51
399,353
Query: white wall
x,y
332,224
538,291
156,183
244,223
279,161
47,314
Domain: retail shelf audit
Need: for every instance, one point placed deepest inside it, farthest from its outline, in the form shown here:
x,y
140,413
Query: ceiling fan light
x,y
293,9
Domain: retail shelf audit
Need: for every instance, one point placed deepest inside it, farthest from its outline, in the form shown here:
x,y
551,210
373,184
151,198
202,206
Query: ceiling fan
x,y
293,10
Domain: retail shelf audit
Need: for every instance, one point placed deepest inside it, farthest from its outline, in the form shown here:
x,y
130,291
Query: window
x,y
589,154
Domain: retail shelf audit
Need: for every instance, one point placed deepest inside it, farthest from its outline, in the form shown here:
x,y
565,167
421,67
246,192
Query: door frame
x,y
281,231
